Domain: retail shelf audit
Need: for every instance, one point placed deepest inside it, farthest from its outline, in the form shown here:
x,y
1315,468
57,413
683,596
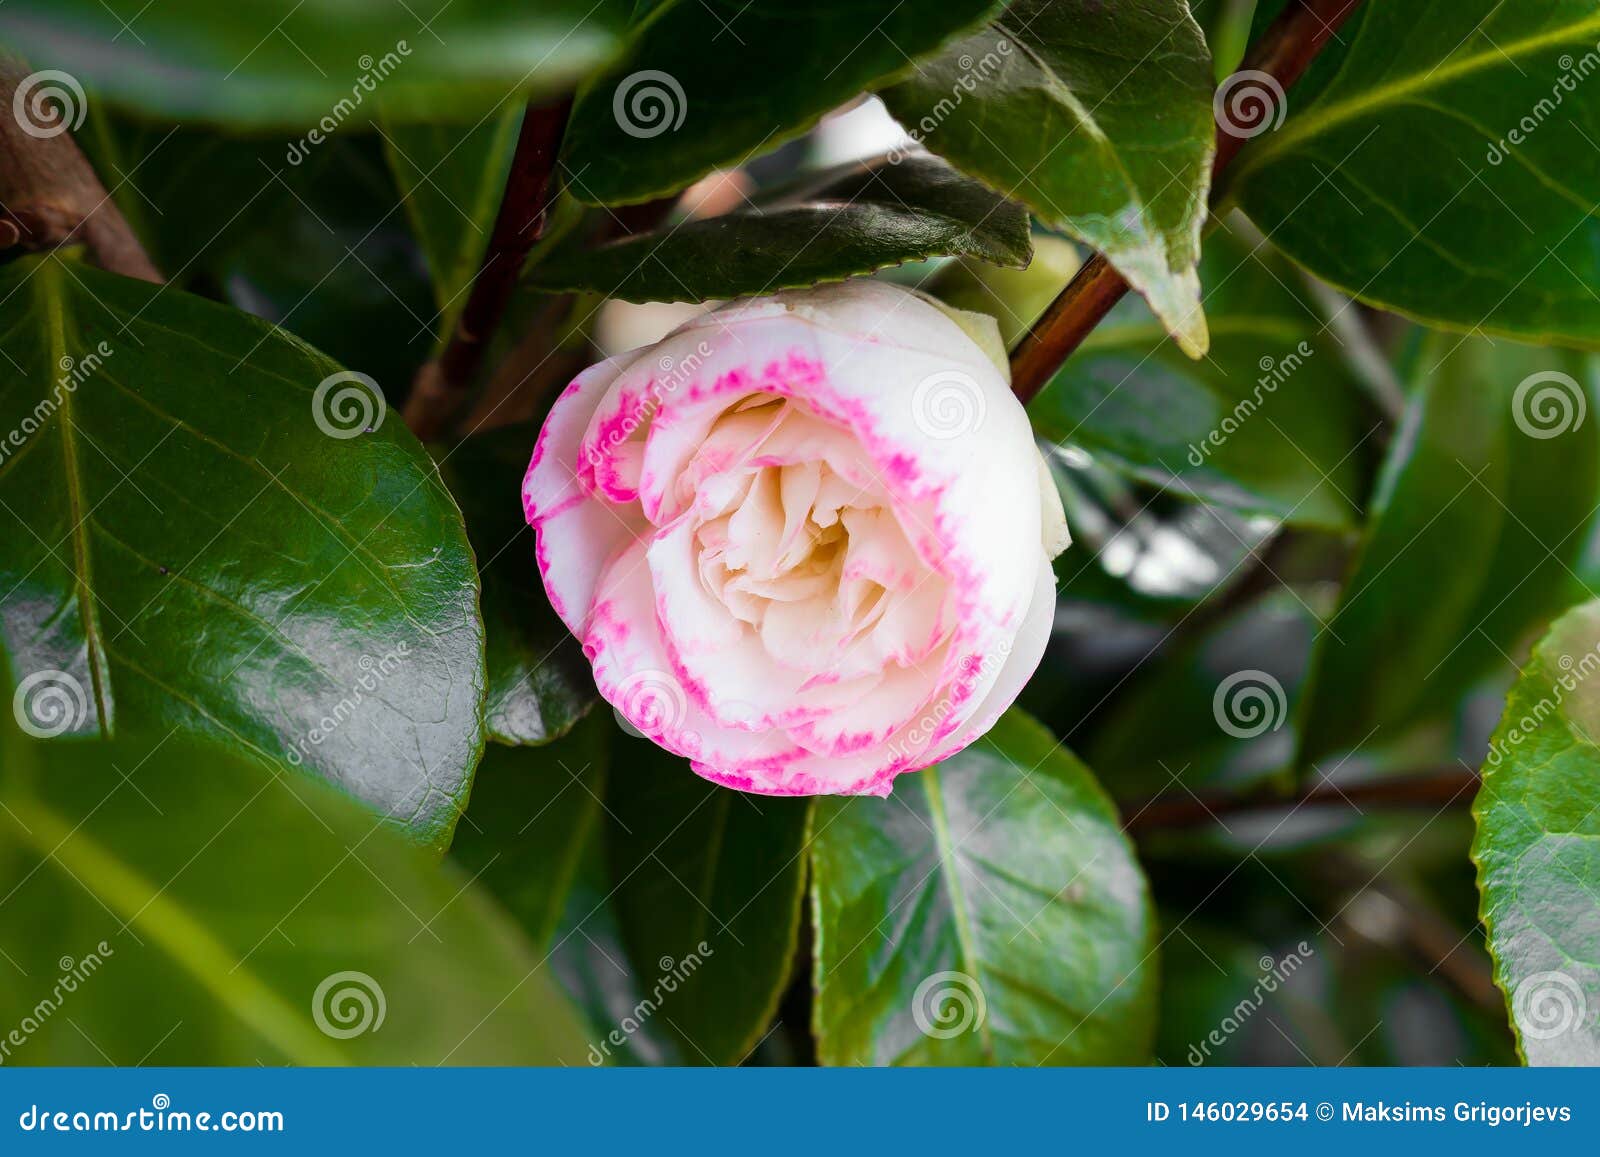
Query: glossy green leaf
x,y
168,904
539,681
842,222
1268,423
197,540
1538,856
711,83
990,911
318,64
1098,118
452,178
1438,160
706,886
533,815
1494,471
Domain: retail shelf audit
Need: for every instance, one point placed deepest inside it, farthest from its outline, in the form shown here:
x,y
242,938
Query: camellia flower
x,y
805,539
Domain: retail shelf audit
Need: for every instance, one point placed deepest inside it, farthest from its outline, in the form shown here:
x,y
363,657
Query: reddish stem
x,y
442,384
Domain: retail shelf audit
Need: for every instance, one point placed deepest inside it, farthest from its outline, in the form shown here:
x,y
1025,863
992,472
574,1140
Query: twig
x,y
443,383
1436,789
1284,52
49,194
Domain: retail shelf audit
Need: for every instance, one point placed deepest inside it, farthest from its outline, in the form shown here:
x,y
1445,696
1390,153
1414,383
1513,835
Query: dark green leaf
x,y
710,83
707,885
990,911
197,540
452,178
190,192
1269,423
1483,504
842,222
1438,161
1224,699
1538,856
1097,117
533,815
317,64
169,904
539,681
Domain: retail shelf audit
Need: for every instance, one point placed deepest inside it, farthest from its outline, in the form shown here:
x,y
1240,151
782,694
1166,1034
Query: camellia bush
x,y
734,532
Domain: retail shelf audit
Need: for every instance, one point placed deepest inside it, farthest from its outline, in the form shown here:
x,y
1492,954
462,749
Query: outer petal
x,y
577,532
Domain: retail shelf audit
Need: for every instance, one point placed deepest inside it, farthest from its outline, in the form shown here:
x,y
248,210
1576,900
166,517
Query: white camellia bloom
x,y
805,539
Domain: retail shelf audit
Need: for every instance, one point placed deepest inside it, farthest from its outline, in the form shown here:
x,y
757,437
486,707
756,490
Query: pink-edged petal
x,y
1021,661
553,480
575,545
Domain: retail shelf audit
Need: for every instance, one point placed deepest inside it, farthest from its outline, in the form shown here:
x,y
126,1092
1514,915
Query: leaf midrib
x,y
958,901
184,938
48,282
1323,117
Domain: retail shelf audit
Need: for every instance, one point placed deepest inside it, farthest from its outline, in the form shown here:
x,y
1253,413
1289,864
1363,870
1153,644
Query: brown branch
x,y
1436,789
49,194
1284,52
443,383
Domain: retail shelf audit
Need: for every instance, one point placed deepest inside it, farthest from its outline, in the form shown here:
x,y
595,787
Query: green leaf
x,y
452,178
190,551
1494,470
706,885
710,83
1224,698
1268,423
1436,162
849,220
1098,118
335,264
539,680
533,814
319,64
170,904
990,911
1538,816
189,192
